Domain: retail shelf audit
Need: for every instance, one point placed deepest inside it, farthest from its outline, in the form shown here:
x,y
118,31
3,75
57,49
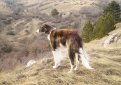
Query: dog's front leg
x,y
56,59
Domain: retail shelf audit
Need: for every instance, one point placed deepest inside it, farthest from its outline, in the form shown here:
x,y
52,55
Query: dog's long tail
x,y
84,58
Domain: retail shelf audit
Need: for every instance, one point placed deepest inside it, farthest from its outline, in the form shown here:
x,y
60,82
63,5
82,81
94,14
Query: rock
x,y
30,63
110,39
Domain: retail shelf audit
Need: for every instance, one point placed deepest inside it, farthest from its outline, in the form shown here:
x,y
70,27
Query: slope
x,y
107,63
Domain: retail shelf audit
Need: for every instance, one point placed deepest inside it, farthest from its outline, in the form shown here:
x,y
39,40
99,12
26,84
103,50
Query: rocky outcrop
x,y
30,63
113,37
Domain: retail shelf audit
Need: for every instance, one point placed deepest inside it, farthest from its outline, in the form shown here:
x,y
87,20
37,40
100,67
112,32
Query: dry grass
x,y
107,63
4,9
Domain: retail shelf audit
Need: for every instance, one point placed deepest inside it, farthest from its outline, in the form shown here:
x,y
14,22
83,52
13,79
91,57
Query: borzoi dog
x,y
66,42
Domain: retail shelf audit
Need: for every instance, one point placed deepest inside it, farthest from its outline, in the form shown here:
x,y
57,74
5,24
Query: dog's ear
x,y
45,28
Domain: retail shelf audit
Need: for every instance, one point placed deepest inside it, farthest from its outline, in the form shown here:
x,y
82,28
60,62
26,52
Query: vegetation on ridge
x,y
105,23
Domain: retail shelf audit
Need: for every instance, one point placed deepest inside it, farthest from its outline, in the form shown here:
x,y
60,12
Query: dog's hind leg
x,y
77,61
71,54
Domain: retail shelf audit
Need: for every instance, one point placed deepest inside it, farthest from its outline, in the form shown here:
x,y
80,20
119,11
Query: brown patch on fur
x,y
65,37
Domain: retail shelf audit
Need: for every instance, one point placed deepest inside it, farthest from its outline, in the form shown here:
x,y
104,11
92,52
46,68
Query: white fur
x,y
72,69
48,37
77,62
59,54
85,58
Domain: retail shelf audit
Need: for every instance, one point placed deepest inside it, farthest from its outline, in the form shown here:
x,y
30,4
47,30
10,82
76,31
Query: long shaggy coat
x,y
66,43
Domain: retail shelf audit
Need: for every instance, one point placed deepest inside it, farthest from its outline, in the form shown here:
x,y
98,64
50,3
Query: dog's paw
x,y
55,67
71,71
75,69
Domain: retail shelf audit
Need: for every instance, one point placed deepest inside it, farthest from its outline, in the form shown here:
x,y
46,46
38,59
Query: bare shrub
x,y
54,12
10,61
11,33
34,46
5,46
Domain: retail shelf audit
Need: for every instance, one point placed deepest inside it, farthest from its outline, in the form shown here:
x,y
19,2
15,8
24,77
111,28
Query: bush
x,y
11,33
104,25
5,46
54,12
114,9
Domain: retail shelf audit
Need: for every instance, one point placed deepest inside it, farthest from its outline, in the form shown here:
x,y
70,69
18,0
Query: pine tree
x,y
87,31
114,9
104,25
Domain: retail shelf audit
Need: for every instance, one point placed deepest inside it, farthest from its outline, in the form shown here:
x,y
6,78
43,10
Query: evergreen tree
x,y
104,25
87,31
114,9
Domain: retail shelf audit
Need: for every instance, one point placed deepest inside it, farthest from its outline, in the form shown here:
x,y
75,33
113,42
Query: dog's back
x,y
66,37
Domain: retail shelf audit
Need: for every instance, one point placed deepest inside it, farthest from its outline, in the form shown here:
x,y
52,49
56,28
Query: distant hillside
x,y
62,5
36,6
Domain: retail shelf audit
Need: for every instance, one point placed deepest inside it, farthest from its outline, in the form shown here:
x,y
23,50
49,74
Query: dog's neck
x,y
50,33
50,30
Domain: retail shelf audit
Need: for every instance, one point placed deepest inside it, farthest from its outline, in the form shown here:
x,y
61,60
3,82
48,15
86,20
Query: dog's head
x,y
46,28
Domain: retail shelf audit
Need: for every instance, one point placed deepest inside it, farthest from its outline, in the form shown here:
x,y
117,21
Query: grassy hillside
x,y
107,63
20,43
